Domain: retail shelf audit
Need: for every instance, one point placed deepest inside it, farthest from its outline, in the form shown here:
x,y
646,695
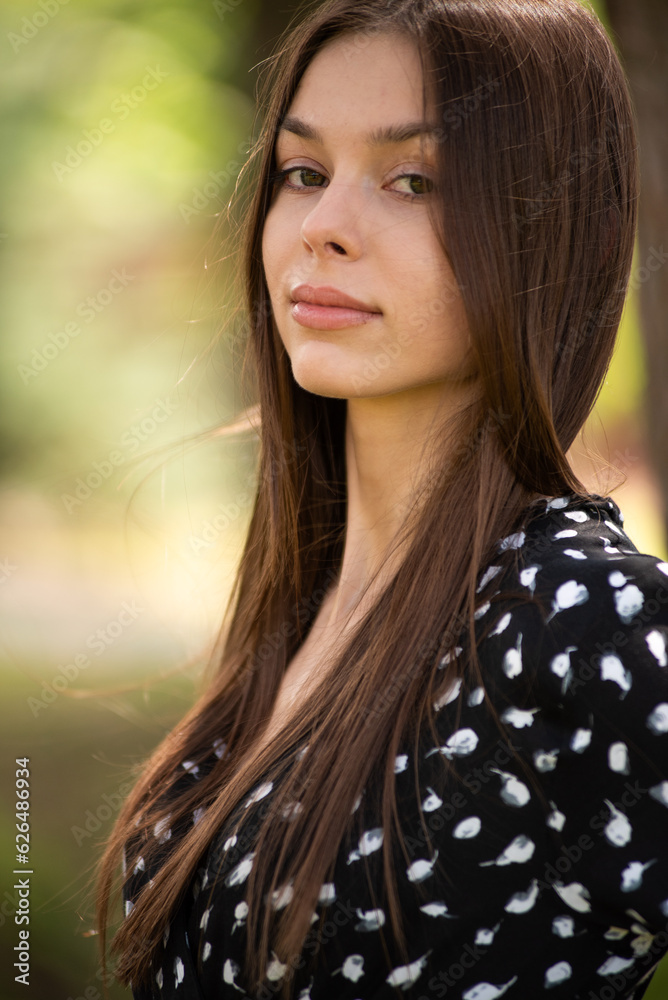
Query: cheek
x,y
415,261
267,255
426,291
273,249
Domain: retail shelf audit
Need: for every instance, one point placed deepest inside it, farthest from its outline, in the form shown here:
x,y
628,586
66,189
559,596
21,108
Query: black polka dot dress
x,y
545,868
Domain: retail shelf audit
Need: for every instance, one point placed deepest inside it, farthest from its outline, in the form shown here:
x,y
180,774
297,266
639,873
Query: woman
x,y
432,761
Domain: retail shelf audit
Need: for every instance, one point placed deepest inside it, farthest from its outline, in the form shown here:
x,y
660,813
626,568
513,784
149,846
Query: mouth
x,y
326,308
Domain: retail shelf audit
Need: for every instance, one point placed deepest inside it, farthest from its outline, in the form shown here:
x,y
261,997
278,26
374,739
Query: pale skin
x,y
351,214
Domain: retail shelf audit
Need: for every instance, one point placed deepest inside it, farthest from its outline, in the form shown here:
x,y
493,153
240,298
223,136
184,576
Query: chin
x,y
322,377
333,377
320,385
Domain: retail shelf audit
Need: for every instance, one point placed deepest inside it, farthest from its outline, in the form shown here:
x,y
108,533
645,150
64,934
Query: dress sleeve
x,y
602,686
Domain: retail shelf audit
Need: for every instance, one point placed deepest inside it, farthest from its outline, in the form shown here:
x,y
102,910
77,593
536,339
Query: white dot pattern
x,y
545,872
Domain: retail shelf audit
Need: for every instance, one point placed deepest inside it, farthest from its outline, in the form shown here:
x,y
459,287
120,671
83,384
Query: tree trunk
x,y
641,30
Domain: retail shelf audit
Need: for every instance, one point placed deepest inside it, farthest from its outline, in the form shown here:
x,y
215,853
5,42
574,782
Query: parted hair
x,y
535,208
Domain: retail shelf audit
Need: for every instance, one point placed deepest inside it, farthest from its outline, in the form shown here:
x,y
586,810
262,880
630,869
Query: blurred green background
x,y
123,127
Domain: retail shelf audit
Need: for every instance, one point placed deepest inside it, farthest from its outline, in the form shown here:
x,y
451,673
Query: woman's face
x,y
363,297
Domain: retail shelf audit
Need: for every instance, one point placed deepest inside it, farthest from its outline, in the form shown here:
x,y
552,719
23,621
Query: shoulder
x,y
576,571
577,553
581,617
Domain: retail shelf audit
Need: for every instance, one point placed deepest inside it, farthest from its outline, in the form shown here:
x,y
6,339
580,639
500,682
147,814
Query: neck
x,y
393,444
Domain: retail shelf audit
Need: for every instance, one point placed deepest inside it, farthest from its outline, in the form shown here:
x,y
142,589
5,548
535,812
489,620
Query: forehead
x,y
357,82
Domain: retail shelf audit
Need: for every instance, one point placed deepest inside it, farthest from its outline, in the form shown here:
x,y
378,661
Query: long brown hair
x,y
536,213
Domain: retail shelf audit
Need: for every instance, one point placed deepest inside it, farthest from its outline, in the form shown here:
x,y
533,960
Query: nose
x,y
333,226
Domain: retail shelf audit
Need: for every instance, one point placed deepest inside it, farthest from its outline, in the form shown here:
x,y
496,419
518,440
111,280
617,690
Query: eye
x,y
413,185
299,178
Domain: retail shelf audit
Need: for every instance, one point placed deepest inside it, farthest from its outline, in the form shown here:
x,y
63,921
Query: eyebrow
x,y
383,136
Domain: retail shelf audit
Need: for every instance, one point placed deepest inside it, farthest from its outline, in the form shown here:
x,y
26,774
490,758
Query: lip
x,y
325,295
326,308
